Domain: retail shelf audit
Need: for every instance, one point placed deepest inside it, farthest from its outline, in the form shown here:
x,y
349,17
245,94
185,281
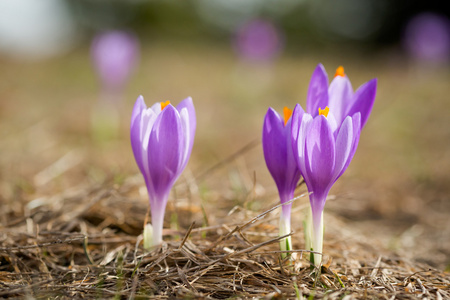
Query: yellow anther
x,y
164,104
287,114
324,112
339,72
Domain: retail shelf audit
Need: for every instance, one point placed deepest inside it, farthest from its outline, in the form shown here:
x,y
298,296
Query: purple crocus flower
x,y
114,55
280,160
161,137
258,40
427,37
325,139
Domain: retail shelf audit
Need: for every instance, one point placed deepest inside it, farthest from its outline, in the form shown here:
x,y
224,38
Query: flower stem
x,y
158,209
285,228
148,236
317,236
307,226
157,223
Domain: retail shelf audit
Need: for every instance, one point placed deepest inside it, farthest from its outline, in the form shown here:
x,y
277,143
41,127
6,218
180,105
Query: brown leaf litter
x,y
86,243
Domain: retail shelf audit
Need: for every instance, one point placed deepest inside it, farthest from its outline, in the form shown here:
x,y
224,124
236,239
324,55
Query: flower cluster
x,y
317,144
324,140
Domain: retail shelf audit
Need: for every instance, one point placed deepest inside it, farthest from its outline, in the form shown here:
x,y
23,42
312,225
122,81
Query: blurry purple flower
x,y
258,40
427,37
326,137
280,160
114,55
162,137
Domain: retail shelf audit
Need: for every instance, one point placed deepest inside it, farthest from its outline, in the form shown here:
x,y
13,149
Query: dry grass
x,y
85,243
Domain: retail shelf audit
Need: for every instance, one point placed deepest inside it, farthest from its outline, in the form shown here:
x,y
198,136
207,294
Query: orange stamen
x,y
339,72
287,114
324,112
164,104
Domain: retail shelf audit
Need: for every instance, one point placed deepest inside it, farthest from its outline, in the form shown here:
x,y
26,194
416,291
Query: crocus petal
x,y
296,118
148,118
344,143
165,151
318,91
304,127
184,115
135,131
139,106
292,171
340,93
189,122
356,129
299,127
274,146
333,123
189,105
364,99
319,156
156,108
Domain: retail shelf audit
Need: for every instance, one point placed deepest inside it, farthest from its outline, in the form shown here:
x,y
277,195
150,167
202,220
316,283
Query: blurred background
x,y
70,72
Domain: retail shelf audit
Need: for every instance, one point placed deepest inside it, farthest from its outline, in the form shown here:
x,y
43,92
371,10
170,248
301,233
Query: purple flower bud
x,y
325,138
114,55
162,137
280,160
